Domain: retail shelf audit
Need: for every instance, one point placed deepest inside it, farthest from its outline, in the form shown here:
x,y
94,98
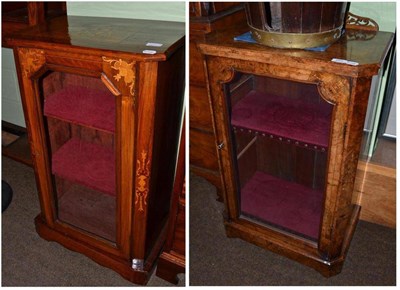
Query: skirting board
x,y
375,191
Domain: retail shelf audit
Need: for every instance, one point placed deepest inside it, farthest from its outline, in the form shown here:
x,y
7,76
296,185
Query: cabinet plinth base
x,y
121,266
169,266
304,254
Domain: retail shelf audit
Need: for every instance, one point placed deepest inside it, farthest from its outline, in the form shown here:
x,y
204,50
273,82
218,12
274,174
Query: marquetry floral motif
x,y
125,71
184,186
142,176
31,60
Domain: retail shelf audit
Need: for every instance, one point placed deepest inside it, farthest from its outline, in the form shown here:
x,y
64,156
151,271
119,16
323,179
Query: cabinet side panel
x,y
344,207
168,118
28,63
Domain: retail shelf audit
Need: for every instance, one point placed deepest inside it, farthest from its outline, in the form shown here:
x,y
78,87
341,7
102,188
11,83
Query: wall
x,y
390,130
169,11
384,13
11,106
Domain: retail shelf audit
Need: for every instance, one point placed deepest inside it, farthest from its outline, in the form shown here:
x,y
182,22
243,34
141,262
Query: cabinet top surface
x,y
367,48
113,34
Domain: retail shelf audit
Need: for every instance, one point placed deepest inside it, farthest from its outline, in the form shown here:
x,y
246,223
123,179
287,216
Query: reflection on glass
x,y
80,118
281,135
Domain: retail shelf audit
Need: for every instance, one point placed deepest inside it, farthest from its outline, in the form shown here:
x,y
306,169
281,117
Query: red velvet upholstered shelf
x,y
286,204
86,163
295,120
83,106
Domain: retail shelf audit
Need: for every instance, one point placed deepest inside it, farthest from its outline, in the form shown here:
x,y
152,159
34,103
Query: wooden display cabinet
x,y
172,260
96,98
205,18
288,127
20,15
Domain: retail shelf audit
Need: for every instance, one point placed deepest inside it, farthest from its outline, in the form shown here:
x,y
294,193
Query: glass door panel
x,y
79,115
280,130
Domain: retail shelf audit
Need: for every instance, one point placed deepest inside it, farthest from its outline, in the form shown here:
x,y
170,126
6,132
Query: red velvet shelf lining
x,y
80,105
286,204
287,118
88,164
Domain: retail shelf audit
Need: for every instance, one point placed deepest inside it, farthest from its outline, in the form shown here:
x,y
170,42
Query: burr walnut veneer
x,y
102,100
287,131
205,17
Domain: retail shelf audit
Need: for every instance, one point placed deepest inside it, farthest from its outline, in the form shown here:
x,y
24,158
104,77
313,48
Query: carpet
x,y
28,260
216,260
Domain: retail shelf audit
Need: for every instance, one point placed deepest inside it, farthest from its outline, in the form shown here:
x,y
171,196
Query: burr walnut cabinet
x,y
287,130
205,17
102,100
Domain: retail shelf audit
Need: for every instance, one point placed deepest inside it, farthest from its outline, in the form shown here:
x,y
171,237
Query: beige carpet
x,y
217,260
28,260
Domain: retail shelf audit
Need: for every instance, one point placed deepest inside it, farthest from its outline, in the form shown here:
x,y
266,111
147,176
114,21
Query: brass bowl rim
x,y
296,40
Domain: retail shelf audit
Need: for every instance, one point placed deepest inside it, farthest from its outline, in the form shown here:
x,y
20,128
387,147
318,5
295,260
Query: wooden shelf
x,y
88,164
286,204
291,120
83,106
89,210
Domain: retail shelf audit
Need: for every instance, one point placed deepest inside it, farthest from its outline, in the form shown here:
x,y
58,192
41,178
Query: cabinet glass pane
x,y
79,115
280,131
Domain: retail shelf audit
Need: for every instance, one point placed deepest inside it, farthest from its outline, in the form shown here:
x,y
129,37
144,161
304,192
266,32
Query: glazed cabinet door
x,y
78,112
279,135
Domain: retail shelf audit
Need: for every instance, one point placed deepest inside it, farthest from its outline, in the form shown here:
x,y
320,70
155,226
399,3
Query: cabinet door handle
x,y
220,146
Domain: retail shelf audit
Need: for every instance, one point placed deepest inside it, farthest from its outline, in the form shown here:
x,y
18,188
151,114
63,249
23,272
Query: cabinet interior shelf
x,y
83,106
88,164
89,210
286,204
290,120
